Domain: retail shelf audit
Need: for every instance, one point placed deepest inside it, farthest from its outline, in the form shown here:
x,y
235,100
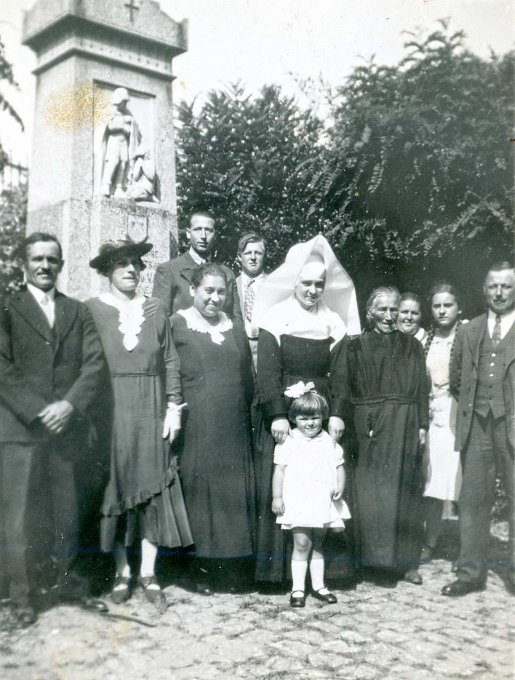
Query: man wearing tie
x,y
482,377
51,370
251,255
172,279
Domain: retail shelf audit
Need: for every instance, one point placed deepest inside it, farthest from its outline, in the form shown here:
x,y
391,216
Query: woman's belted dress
x,y
385,384
143,498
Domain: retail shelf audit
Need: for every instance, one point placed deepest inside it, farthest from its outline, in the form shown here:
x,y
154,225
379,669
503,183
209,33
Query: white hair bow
x,y
297,390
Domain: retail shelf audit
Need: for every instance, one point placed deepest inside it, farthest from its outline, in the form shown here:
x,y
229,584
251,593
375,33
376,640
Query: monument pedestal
x,y
103,95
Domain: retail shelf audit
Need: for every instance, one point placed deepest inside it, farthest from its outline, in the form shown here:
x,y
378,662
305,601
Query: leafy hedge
x,y
409,175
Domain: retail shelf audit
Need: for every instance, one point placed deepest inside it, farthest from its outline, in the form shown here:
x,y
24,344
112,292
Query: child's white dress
x,y
309,480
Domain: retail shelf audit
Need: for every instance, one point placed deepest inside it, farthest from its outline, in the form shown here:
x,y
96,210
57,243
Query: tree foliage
x,y
7,76
410,176
13,218
13,201
251,161
422,152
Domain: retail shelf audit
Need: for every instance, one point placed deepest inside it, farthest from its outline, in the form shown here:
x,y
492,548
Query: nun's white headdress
x,y
273,310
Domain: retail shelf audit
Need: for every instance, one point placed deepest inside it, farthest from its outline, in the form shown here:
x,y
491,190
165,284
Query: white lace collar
x,y
196,322
131,317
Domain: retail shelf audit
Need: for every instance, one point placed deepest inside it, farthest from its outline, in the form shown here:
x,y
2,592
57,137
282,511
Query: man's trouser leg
x,y
16,462
505,469
476,500
66,517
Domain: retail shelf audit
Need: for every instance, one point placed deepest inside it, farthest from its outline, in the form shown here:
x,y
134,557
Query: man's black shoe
x,y
92,604
460,588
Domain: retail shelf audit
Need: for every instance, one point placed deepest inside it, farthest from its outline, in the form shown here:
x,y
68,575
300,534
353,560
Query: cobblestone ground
x,y
373,633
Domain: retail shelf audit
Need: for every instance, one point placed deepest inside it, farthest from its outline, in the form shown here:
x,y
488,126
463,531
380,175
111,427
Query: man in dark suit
x,y
482,378
51,369
173,278
252,256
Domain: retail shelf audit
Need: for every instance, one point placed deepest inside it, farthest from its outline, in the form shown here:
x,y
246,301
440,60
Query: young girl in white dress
x,y
308,484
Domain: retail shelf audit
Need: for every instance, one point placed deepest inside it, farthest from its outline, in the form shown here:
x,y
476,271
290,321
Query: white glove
x,y
172,422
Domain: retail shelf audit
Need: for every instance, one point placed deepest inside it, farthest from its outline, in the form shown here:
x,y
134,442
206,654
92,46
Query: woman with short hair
x,y
410,316
214,447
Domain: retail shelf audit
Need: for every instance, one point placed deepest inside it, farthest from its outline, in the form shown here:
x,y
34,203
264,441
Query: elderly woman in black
x,y
384,377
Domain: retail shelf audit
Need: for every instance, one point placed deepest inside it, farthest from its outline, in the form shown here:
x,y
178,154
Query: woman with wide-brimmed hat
x,y
143,499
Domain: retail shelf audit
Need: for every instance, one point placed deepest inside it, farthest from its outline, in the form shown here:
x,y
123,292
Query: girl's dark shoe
x,y
299,599
326,597
121,589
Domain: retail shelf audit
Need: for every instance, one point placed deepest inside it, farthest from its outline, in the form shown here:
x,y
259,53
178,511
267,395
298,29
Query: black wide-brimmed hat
x,y
110,250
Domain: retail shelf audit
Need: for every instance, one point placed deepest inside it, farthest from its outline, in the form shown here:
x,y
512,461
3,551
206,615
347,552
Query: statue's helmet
x,y
120,95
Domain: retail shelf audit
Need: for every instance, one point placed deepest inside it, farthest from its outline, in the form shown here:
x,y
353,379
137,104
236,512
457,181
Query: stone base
x,y
82,226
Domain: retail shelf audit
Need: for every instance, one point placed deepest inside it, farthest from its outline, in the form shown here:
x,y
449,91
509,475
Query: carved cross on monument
x,y
132,7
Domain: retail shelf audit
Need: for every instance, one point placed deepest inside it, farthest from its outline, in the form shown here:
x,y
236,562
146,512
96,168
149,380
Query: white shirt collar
x,y
245,279
506,322
196,257
41,294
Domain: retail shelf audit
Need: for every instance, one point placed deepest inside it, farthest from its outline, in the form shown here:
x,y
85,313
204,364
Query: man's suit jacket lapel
x,y
28,308
239,288
187,265
476,339
510,346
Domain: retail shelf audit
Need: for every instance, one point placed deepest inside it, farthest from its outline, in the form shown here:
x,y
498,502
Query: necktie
x,y
250,295
47,309
496,335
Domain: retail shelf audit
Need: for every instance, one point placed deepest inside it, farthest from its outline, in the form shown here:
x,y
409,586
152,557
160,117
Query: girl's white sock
x,y
298,572
316,570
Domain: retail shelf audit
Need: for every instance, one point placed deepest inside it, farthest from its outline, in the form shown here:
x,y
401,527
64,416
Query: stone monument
x,y
103,158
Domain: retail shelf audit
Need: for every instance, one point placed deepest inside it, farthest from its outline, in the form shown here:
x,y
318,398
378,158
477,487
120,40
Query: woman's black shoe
x,y
426,554
412,576
152,589
121,589
26,615
298,600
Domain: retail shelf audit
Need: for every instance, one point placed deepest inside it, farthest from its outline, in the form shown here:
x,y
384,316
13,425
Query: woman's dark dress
x,y
143,483
280,366
385,381
216,466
